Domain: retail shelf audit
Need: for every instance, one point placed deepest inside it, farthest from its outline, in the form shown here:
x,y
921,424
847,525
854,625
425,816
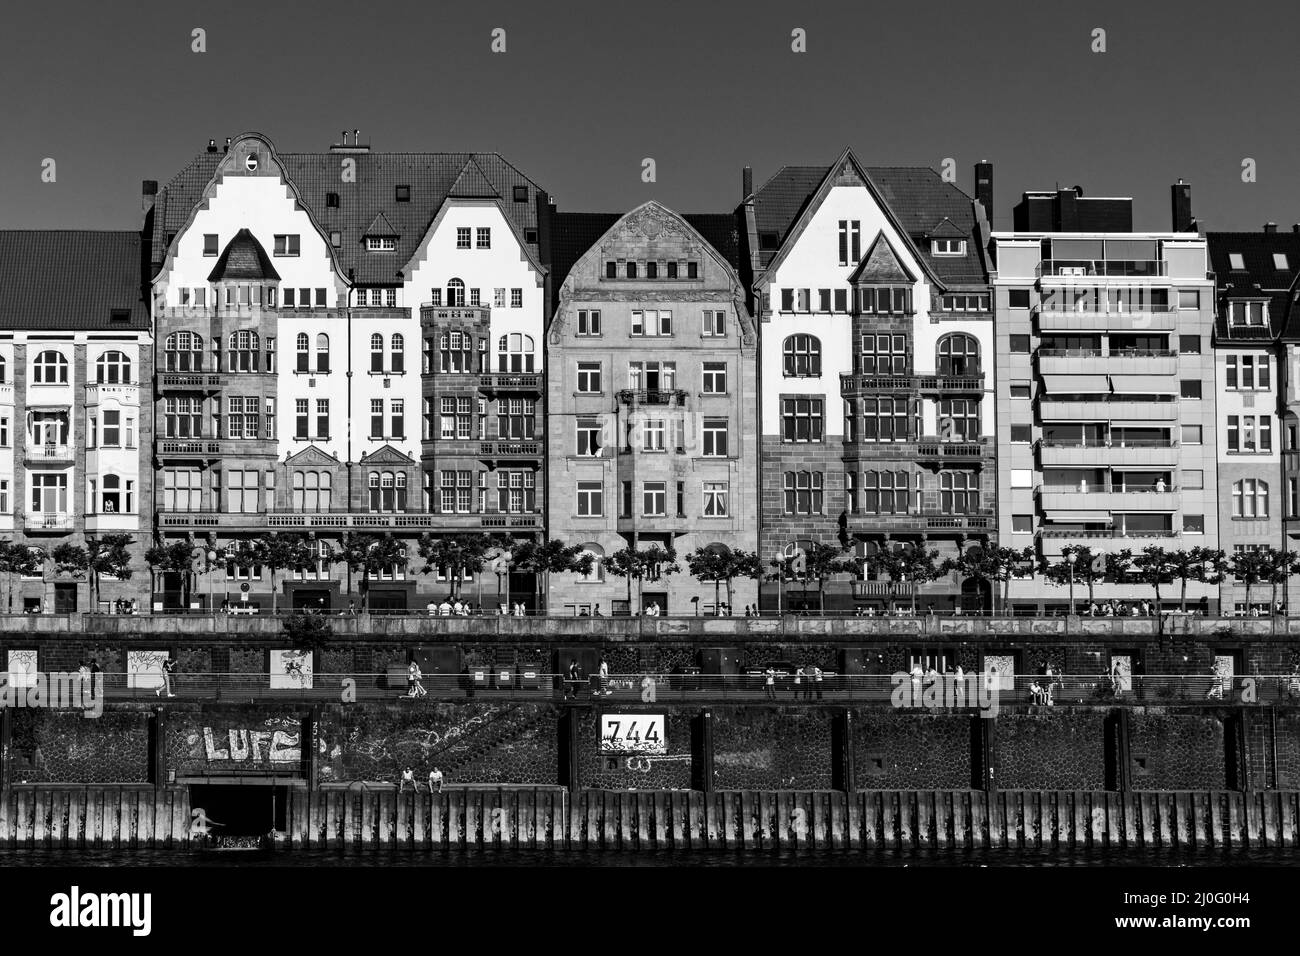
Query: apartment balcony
x,y
510,449
1111,541
207,381
121,394
671,396
916,523
49,453
1139,318
1057,410
1067,270
1091,362
1102,502
531,382
54,521
454,314
236,448
937,449
1154,453
112,522
851,386
342,521
927,448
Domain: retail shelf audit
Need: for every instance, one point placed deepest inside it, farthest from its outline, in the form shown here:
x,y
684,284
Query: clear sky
x,y
586,90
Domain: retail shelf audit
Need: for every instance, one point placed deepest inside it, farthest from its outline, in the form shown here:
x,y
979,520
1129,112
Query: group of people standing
x,y
806,680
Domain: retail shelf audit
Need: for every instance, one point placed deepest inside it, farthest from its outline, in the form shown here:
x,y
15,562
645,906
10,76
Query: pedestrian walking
x,y
414,687
798,683
571,683
168,668
769,683
817,680
603,679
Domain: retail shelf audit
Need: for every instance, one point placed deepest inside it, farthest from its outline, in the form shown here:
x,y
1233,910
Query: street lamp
x,y
212,563
1070,558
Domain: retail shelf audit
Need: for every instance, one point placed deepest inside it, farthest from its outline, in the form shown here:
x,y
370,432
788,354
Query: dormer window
x,y
381,244
403,193
948,247
769,240
1280,262
1236,261
1247,314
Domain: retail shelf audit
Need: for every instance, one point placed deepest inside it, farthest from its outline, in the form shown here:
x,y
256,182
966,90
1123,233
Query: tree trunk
x,y
1182,597
717,611
272,570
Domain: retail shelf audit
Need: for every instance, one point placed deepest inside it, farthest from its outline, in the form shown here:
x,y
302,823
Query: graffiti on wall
x,y
22,668
144,669
275,742
291,670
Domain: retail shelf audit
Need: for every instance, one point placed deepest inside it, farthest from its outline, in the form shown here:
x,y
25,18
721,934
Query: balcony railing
x,y
123,394
193,447
1113,353
49,452
504,381
200,380
48,521
937,448
510,448
670,396
947,383
1051,307
1107,533
981,520
1101,490
1102,268
1108,443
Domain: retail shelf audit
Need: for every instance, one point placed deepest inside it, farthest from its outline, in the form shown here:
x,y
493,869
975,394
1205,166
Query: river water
x,y
1070,858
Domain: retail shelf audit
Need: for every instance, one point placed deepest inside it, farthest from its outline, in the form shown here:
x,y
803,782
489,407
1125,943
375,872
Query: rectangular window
x,y
1022,478
652,434
1189,299
714,378
823,300
1021,391
841,300
397,414
850,244
1193,479
376,418
803,492
322,418
715,322
589,322
590,499
651,322
210,244
589,441
1189,344
1022,524
112,427
589,378
1191,434
498,298
692,270
715,437
462,237
1193,524
1022,434
654,499
1020,344
801,419
483,238
286,245
1018,299
516,298
1190,388
715,499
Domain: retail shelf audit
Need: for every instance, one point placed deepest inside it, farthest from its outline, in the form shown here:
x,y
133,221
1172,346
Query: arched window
x,y
372,486
1250,498
242,349
401,491
397,353
50,368
597,572
958,354
376,352
387,489
184,352
515,353
803,356
455,294
113,368
302,346
322,352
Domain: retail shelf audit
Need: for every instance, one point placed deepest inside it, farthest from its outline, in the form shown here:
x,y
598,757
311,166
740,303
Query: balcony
x,y
112,522
218,448
1057,270
122,394
511,382
1052,542
1139,318
851,385
1093,362
510,449
928,521
1056,410
48,521
190,381
671,396
1108,453
936,448
1103,501
49,452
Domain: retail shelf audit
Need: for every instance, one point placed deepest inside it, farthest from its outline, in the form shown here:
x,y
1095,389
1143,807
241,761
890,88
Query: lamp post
x,y
212,564
1070,558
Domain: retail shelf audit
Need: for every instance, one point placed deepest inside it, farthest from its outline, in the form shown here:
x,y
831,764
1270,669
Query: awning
x,y
1144,384
1089,517
1077,384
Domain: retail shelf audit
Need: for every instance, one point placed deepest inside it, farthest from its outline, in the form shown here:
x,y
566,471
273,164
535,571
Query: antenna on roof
x,y
356,137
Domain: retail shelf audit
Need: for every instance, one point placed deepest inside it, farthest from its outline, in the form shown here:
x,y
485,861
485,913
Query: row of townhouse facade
x,y
350,342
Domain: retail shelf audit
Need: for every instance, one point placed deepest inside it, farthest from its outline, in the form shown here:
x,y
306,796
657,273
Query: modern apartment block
x,y
1255,273
1106,386
652,400
875,369
350,342
75,360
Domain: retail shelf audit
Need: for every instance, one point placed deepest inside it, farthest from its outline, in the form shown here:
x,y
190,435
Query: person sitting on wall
x,y
596,611
408,776
444,609
435,780
431,608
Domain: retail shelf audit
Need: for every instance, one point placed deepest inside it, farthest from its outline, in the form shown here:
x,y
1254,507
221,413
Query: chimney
x,y
1180,206
212,146
227,144
1270,227
984,187
148,193
1295,227
746,183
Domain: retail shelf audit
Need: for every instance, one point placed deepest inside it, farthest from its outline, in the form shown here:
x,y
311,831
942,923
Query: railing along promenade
x,y
522,683
791,628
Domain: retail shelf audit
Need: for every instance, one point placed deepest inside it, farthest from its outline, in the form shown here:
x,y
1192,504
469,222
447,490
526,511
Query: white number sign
x,y
633,734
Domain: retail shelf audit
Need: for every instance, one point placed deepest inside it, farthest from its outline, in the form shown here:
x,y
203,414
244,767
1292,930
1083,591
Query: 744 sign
x,y
633,734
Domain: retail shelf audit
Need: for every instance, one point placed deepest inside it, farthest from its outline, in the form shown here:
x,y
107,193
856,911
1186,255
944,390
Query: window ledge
x,y
311,373
373,373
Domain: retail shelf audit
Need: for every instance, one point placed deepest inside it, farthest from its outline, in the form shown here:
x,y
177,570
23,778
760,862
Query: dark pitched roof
x,y
70,279
243,258
379,226
429,176
573,233
1260,277
917,195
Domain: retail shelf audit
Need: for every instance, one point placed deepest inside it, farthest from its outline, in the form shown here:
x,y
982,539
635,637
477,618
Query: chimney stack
x,y
1295,227
212,146
148,193
1270,227
1180,205
746,182
227,144
984,187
